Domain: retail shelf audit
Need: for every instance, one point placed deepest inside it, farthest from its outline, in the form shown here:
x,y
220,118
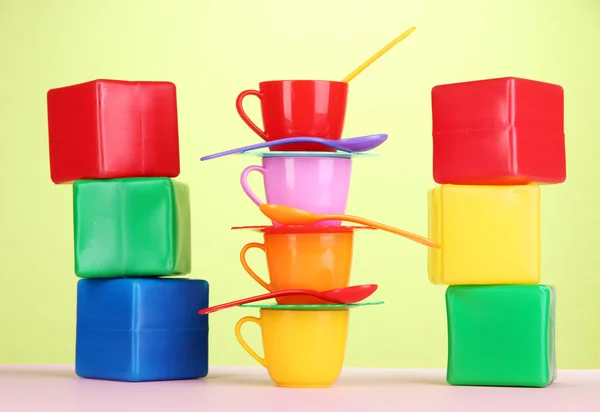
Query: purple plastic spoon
x,y
351,144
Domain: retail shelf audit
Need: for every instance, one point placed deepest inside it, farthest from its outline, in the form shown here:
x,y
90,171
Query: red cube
x,y
504,131
106,129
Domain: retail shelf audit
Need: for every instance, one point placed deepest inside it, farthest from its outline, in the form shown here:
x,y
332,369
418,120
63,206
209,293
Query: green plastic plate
x,y
333,306
308,154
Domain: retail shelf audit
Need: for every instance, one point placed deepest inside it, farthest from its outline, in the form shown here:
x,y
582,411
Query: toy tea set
x,y
307,172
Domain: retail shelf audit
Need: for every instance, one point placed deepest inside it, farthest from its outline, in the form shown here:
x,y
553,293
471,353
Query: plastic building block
x,y
488,234
108,129
140,329
504,131
501,335
131,227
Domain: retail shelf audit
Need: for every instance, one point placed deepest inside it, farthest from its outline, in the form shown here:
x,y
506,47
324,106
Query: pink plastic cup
x,y
317,184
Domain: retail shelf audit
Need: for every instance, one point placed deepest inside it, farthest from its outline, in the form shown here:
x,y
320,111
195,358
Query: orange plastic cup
x,y
317,258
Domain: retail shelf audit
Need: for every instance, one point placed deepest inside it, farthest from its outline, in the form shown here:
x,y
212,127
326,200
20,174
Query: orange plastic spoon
x,y
287,215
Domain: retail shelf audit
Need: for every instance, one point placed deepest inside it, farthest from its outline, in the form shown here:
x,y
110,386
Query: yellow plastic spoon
x,y
287,215
377,55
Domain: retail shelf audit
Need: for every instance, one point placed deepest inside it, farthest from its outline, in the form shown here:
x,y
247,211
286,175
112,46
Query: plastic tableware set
x,y
304,337
304,332
307,171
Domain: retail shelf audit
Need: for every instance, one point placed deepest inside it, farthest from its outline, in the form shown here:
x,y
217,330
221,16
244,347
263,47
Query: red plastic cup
x,y
298,108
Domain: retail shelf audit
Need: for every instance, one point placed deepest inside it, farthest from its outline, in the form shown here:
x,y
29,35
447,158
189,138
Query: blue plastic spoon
x,y
351,144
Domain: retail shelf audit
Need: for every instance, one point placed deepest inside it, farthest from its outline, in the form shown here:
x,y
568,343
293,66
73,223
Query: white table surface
x,y
34,388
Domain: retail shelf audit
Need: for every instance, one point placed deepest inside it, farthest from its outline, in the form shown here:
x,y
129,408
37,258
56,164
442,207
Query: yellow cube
x,y
488,235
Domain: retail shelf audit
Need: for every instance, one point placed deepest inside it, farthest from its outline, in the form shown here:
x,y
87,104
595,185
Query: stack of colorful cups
x,y
304,337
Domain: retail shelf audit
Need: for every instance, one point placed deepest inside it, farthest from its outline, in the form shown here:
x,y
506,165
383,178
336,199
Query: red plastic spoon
x,y
347,295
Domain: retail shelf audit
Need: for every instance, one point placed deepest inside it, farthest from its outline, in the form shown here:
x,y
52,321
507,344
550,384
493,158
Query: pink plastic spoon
x,y
347,295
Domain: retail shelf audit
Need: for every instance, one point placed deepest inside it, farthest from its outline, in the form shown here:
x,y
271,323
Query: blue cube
x,y
141,329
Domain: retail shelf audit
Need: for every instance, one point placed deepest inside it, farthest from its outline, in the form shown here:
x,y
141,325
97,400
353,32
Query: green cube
x,y
131,227
501,335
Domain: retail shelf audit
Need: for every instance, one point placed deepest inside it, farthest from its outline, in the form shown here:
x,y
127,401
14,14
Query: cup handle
x,y
238,335
247,267
246,186
240,109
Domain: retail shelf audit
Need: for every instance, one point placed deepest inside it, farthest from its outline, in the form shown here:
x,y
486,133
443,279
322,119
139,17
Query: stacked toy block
x,y
495,143
117,143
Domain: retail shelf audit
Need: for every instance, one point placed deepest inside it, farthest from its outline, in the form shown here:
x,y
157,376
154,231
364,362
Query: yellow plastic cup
x,y
302,348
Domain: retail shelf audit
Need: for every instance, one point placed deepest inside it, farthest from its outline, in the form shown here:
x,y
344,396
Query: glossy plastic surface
x,y
318,184
344,155
322,306
131,227
489,234
141,329
110,128
377,55
351,144
301,229
501,335
504,131
348,295
317,261
293,108
292,216
302,349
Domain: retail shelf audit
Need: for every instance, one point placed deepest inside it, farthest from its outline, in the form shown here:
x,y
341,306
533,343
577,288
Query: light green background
x,y
214,49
